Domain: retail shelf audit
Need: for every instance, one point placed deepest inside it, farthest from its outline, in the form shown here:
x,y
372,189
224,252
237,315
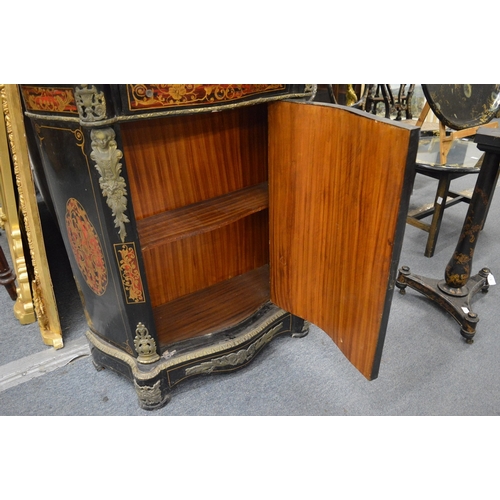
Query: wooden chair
x,y
461,109
394,104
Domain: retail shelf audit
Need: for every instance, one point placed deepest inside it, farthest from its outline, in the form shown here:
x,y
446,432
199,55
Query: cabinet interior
x,y
203,224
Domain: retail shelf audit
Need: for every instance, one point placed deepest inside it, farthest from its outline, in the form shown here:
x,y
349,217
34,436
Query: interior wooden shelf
x,y
202,217
220,306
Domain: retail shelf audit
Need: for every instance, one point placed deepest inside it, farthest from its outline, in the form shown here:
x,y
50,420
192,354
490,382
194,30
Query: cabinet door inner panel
x,y
339,185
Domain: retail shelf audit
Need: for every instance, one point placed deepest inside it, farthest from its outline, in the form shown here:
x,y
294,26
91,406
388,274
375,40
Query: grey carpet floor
x,y
426,369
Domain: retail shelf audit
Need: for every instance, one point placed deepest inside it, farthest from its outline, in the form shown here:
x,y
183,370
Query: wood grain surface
x,y
335,185
182,160
199,189
212,309
202,217
187,265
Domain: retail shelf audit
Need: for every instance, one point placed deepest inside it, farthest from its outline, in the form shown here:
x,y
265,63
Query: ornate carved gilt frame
x,y
9,222
40,299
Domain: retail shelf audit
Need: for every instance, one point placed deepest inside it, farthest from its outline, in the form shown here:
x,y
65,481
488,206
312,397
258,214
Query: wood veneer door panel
x,y
339,185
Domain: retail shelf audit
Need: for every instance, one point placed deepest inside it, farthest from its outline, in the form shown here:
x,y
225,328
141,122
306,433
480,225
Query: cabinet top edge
x,y
100,105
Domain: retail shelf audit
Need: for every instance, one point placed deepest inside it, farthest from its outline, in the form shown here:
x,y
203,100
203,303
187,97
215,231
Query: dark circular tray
x,y
463,105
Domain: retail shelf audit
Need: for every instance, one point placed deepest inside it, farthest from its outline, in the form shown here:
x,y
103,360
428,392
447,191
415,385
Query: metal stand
x,y
456,290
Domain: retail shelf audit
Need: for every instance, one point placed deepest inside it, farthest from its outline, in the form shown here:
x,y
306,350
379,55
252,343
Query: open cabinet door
x,y
339,185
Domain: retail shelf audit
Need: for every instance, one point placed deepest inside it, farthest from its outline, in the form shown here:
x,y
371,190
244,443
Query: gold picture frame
x,y
35,299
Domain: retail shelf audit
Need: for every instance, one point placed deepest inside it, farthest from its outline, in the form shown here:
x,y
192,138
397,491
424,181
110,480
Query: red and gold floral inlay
x,y
86,247
154,96
130,274
55,100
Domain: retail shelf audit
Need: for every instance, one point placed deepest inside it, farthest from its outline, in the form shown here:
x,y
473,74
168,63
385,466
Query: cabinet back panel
x,y
185,159
190,264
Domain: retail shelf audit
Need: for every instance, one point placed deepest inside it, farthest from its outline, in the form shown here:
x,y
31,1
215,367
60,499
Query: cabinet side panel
x,y
107,270
337,180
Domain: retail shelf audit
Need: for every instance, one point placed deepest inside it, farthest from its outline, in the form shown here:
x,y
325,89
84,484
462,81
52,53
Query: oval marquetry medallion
x,y
86,247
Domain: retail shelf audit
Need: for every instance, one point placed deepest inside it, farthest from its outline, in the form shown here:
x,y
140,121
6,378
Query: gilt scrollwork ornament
x,y
43,300
145,345
107,157
130,273
234,359
24,308
3,219
91,104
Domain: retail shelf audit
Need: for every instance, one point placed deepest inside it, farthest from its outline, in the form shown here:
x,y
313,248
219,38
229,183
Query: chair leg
x,y
439,206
